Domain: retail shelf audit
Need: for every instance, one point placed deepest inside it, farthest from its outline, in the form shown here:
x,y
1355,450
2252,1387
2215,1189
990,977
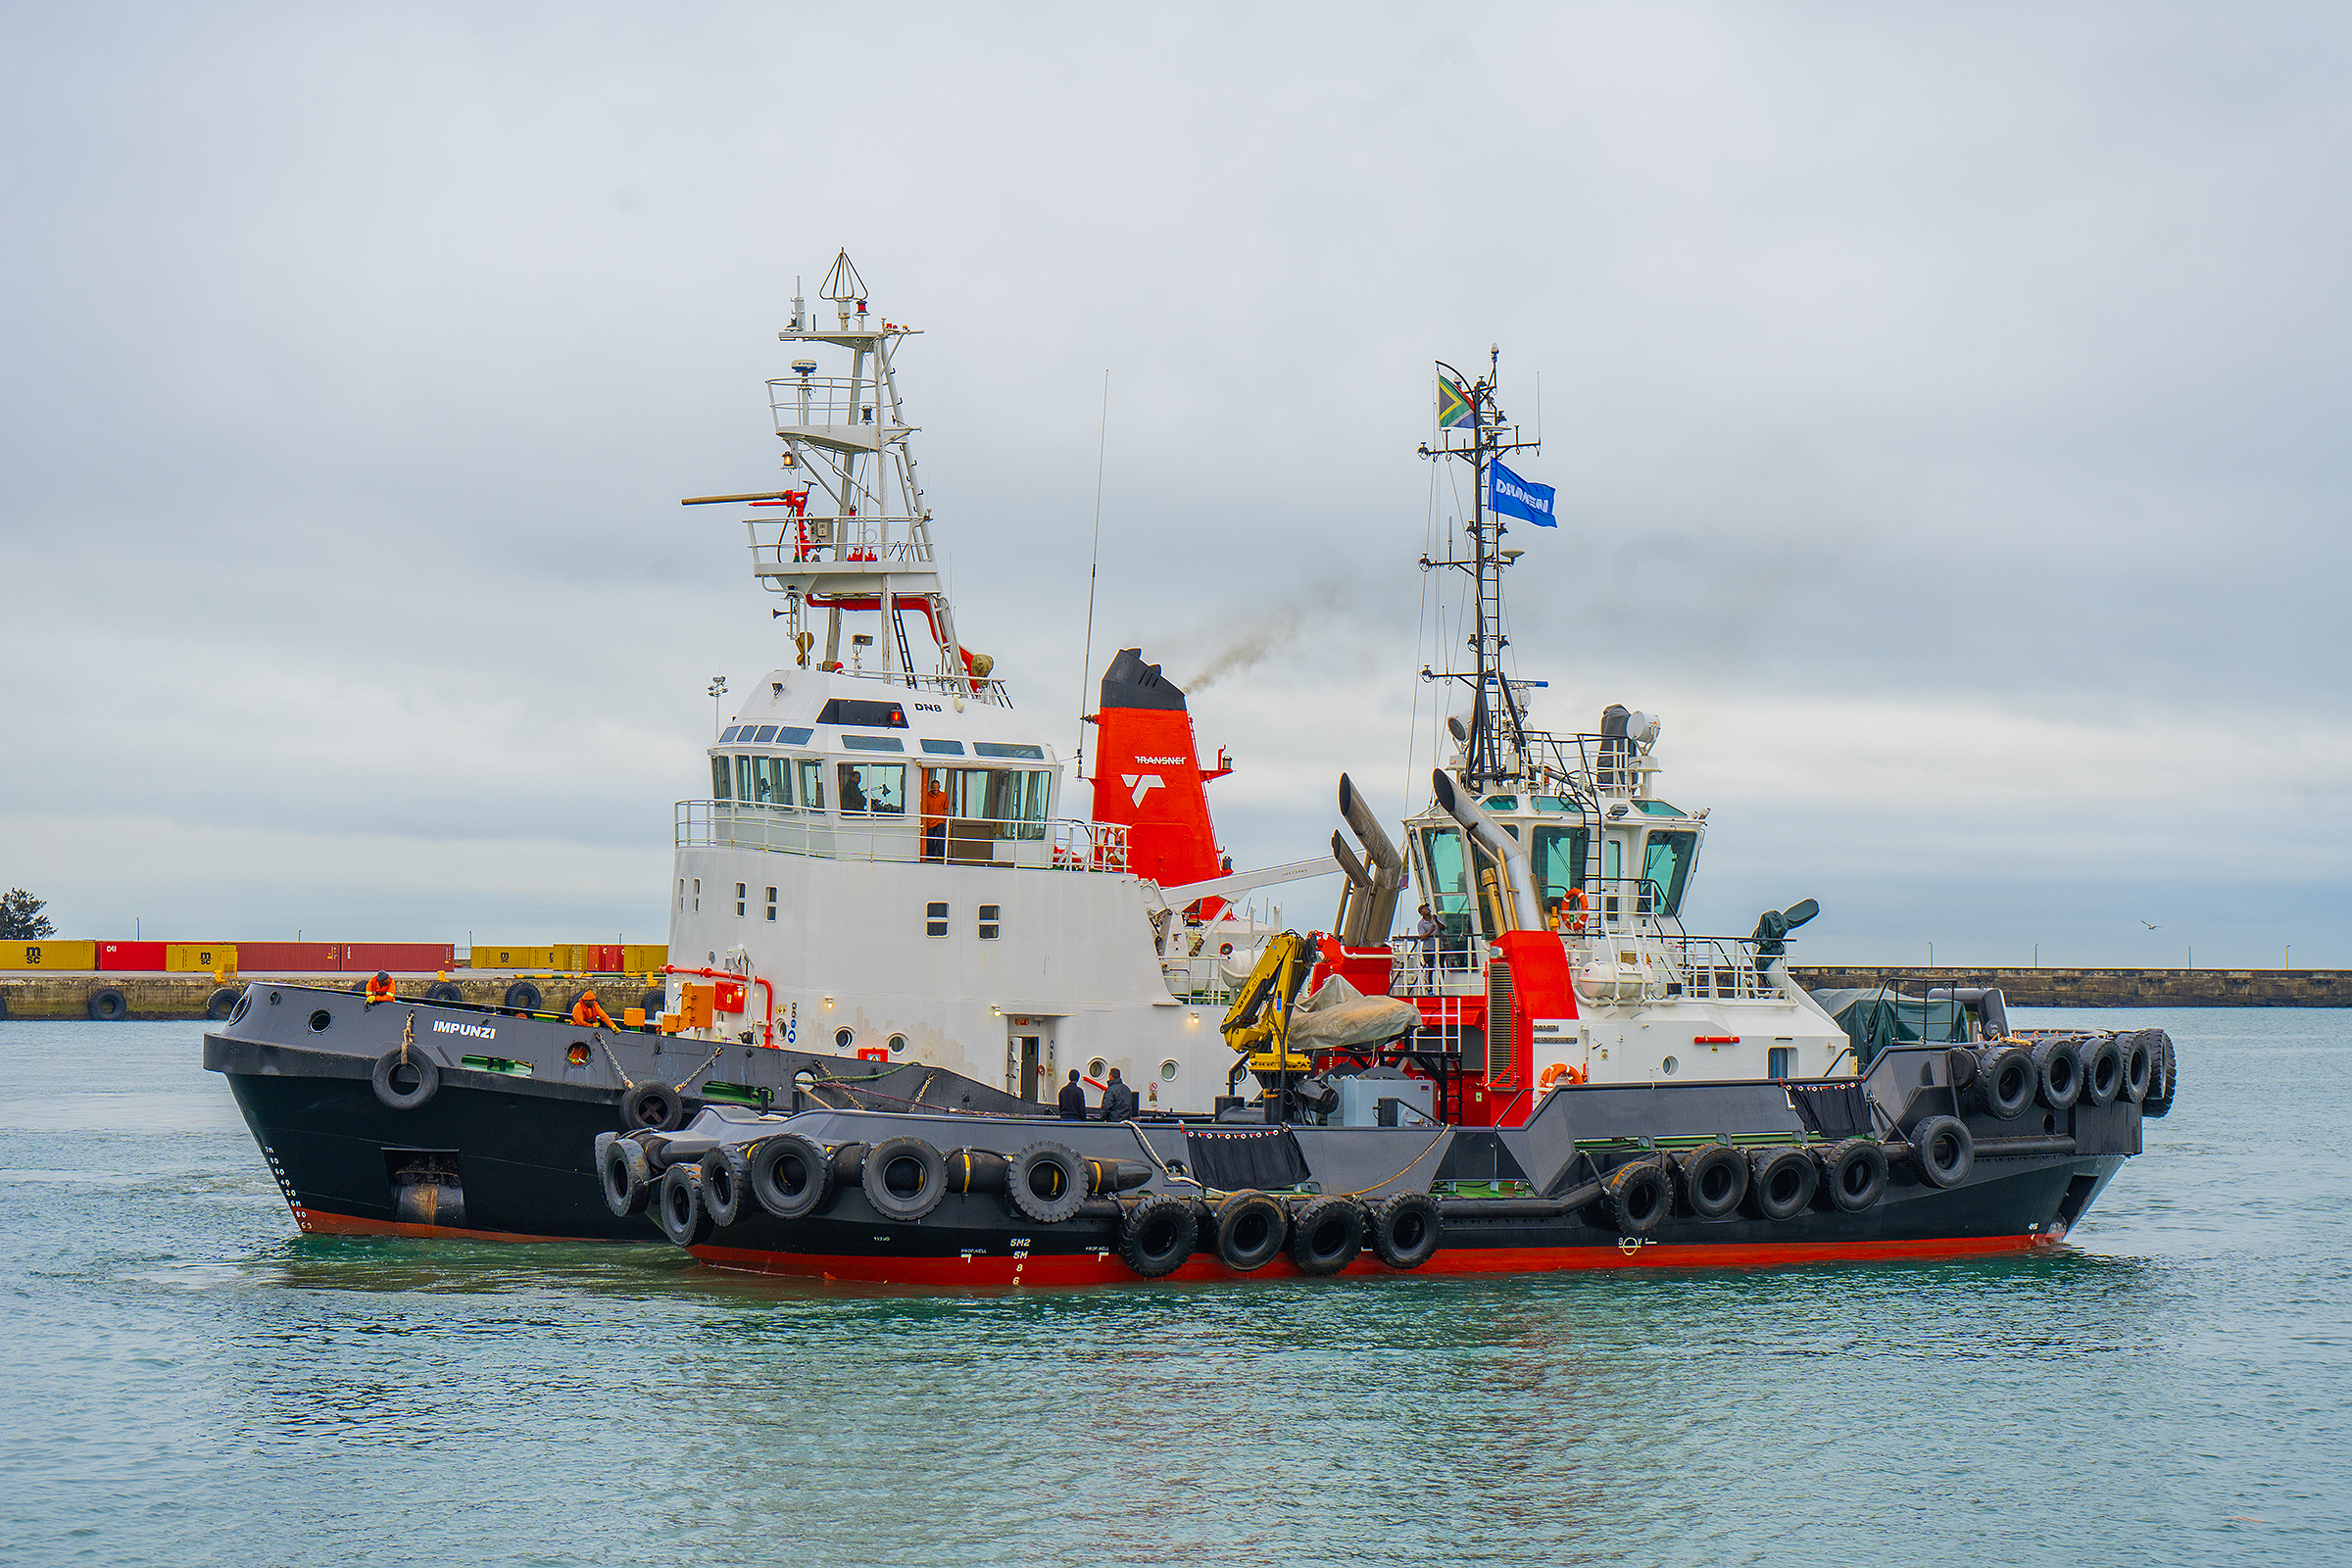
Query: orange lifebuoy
x,y
1558,1071
1576,921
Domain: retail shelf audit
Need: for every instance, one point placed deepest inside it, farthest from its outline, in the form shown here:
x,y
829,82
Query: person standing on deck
x,y
1073,1098
935,813
1118,1099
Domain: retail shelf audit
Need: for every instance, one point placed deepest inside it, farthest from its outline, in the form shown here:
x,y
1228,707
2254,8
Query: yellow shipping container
x,y
48,954
570,956
199,957
644,958
501,956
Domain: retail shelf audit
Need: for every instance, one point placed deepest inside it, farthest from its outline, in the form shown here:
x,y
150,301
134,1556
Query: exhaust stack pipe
x,y
1356,899
1522,907
1378,903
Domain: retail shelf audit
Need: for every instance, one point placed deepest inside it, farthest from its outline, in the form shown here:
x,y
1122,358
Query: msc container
x,y
642,957
47,954
411,957
131,954
506,955
193,958
295,957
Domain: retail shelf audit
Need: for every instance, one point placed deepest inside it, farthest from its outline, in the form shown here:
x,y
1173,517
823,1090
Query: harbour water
x,y
197,1383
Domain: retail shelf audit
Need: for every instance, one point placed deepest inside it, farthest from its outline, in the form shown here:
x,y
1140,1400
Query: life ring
x,y
1576,901
1159,1234
1560,1071
404,1079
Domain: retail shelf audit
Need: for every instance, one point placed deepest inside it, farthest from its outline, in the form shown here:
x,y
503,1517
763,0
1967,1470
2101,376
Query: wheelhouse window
x,y
742,779
721,774
996,802
772,781
1558,856
1666,867
1450,893
813,784
873,789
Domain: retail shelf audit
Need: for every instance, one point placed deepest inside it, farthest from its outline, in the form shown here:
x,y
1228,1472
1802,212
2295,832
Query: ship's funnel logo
x,y
1142,784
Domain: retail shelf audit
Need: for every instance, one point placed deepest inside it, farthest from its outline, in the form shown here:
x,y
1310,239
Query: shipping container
x,y
48,954
604,957
196,957
641,957
289,958
506,955
131,954
400,957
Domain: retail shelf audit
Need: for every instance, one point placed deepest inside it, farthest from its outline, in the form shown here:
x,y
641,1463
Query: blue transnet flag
x,y
1513,497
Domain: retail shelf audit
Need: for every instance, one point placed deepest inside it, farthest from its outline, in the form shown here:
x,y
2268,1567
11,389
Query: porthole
x,y
319,1020
843,1039
577,1056
1097,1067
1669,1064
898,1043
239,1011
1167,1072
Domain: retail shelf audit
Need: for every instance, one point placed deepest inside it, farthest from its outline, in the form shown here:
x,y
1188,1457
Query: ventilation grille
x,y
1501,1024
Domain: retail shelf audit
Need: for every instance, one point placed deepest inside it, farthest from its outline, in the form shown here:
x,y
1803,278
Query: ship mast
x,y
1494,713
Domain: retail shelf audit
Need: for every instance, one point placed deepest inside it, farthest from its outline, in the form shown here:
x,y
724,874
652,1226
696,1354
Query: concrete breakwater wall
x,y
190,995
2110,987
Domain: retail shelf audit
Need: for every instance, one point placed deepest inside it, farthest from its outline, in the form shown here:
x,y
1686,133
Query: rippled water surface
x,y
194,1382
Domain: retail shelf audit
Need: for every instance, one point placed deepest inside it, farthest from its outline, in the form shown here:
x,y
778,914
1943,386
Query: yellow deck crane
x,y
1258,1026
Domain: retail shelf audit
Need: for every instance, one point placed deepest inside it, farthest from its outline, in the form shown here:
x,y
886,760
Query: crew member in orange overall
x,y
588,1012
379,988
935,813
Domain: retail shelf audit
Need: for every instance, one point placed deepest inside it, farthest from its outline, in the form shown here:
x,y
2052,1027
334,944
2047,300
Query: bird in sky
x,y
2151,927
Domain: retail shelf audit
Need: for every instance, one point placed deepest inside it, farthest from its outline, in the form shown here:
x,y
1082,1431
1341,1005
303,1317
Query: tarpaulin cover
x,y
1337,1015
1879,1017
1264,1156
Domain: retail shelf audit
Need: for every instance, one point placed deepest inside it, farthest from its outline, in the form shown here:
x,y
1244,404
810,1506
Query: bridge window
x,y
743,778
999,749
943,748
772,781
728,734
875,789
720,775
862,713
1666,867
813,784
1559,860
1448,889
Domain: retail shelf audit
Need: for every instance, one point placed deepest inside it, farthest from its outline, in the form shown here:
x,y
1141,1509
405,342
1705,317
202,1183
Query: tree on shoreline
x,y
21,919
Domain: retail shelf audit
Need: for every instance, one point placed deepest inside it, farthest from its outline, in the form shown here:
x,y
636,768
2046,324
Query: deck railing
x,y
1051,845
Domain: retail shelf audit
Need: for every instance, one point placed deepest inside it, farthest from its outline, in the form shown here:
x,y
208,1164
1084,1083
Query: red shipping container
x,y
400,957
294,957
606,960
131,954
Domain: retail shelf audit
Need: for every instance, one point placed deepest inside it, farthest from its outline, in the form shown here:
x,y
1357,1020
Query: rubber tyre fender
x,y
1326,1235
653,1108
444,990
1853,1175
1714,1180
1640,1194
2139,1064
418,1065
622,1173
1780,1182
726,1178
790,1176
2006,1079
1046,1182
1407,1230
1159,1234
887,1164
2058,1070
1942,1151
2167,1077
1251,1229
2102,1071
653,1001
108,1005
221,1004
525,995
678,1205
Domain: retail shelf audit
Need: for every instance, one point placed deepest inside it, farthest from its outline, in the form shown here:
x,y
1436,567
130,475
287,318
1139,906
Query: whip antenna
x,y
1092,565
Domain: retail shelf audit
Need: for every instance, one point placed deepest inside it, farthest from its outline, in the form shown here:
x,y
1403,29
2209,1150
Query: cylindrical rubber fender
x,y
1159,1234
1046,1182
976,1170
1853,1174
657,1155
1640,1196
108,1005
444,990
221,1003
2058,1070
2139,1064
621,1163
1326,1233
1780,1182
1714,1179
678,1205
1960,1066
406,1078
2102,1071
2005,1080
791,1176
726,1178
1105,1177
905,1178
653,1001
1943,1151
1406,1229
651,1108
525,996
1250,1230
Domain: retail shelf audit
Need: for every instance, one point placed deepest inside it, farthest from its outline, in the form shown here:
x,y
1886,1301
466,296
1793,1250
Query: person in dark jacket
x,y
1118,1099
1073,1098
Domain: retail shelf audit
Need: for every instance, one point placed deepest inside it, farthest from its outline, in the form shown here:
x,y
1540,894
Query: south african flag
x,y
1454,407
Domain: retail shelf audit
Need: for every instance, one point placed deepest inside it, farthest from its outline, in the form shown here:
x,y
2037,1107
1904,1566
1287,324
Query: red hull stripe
x,y
1106,1268
315,1223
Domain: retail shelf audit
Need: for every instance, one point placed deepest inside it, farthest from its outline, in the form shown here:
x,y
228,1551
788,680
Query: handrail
x,y
1056,844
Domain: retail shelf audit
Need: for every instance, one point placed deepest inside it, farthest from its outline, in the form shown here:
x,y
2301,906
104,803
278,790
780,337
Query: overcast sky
x,y
1948,409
